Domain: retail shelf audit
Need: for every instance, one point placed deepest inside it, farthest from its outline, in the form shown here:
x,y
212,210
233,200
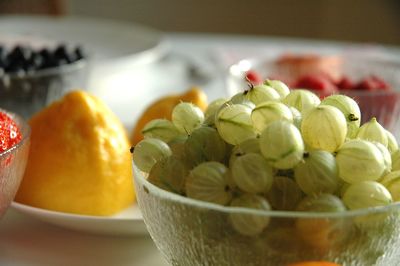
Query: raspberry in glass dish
x,y
371,82
321,73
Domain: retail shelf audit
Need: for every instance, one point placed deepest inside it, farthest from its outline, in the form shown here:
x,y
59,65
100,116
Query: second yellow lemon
x,y
162,108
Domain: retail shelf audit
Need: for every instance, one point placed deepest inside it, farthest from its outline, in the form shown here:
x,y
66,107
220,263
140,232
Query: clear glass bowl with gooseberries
x,y
270,176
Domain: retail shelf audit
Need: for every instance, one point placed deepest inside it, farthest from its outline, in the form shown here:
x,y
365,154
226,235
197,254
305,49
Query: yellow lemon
x,y
79,161
162,108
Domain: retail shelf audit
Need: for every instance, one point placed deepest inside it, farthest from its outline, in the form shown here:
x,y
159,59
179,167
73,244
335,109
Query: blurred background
x,y
203,60
373,21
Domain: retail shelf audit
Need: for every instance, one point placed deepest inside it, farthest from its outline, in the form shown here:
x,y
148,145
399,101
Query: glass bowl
x,y
25,94
192,232
12,165
384,105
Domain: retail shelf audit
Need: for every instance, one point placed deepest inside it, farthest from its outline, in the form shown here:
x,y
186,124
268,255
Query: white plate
x,y
126,223
102,39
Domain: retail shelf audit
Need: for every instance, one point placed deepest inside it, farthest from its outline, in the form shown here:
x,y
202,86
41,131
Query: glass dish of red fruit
x,y
32,77
14,149
373,83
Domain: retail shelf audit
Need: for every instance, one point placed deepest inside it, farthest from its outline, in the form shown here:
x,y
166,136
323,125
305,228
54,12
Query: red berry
x,y
345,83
318,83
383,106
372,83
382,84
253,77
9,132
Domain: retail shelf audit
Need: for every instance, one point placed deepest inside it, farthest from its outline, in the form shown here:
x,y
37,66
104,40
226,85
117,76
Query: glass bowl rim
x,y
158,192
24,128
62,69
257,61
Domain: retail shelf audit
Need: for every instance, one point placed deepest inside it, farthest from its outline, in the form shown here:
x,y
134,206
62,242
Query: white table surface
x,y
26,241
128,89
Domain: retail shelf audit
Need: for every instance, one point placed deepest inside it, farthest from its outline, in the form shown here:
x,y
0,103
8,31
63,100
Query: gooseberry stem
x,y
352,117
250,84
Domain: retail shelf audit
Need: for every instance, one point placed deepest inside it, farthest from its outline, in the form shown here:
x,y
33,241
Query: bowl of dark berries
x,y
14,150
373,82
32,77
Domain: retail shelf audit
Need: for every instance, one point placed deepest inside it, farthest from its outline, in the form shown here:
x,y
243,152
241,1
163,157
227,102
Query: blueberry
x,y
19,53
45,53
34,62
3,59
79,53
60,51
62,54
3,55
47,59
14,67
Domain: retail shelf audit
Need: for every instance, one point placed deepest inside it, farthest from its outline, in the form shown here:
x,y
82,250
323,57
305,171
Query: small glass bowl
x,y
27,93
192,232
383,105
12,164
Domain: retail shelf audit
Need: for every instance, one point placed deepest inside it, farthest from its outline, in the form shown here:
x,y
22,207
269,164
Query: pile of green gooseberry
x,y
272,148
